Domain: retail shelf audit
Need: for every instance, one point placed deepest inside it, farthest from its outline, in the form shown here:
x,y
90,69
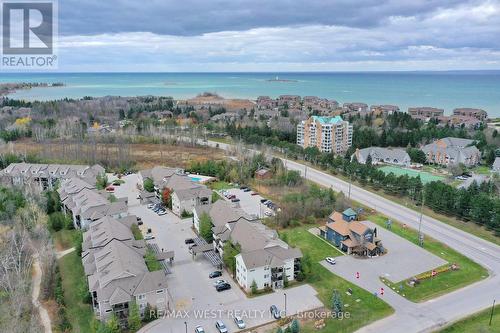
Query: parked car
x,y
246,190
235,200
219,325
268,213
215,274
254,193
199,329
189,241
243,187
139,220
222,287
110,189
151,206
275,312
138,197
216,283
330,260
148,237
231,196
263,201
162,212
239,322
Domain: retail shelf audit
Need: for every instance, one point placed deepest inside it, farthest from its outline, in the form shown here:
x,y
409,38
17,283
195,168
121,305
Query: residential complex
x,y
186,193
328,134
478,114
264,258
451,151
45,176
425,113
116,271
85,204
350,235
396,156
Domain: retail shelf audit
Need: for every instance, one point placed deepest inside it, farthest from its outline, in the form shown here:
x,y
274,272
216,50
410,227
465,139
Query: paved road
x,y
428,316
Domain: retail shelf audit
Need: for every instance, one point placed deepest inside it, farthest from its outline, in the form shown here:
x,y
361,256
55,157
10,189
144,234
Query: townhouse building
x,y
395,156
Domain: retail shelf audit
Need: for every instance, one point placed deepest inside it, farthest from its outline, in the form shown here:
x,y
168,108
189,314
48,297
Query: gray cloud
x,y
194,17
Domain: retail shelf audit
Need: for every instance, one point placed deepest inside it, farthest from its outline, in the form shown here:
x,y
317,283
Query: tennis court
x,y
424,176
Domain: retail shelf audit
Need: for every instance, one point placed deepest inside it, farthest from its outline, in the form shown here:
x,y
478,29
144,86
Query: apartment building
x,y
45,176
472,113
328,134
117,274
85,204
451,151
425,113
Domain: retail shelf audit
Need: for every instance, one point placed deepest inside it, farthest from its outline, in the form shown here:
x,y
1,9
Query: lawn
x,y
440,284
369,308
74,285
220,185
65,239
478,322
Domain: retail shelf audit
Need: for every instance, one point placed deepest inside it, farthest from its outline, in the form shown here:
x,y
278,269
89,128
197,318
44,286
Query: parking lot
x,y
251,204
403,260
192,291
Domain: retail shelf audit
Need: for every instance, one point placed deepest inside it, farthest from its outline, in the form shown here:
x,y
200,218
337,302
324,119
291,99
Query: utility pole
x,y
350,184
420,235
492,309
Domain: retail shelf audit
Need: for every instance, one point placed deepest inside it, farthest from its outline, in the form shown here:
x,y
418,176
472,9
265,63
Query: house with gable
x,y
351,236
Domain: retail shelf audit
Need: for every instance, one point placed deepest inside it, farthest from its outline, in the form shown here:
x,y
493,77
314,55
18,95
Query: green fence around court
x,y
398,171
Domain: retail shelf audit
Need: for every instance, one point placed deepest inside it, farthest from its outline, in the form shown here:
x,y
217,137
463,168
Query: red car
x,y
110,189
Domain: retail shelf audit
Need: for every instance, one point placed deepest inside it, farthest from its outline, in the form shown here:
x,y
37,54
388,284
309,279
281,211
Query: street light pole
x,y
285,302
186,324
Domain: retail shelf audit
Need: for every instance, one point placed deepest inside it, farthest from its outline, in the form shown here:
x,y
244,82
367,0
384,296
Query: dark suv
x,y
215,274
222,287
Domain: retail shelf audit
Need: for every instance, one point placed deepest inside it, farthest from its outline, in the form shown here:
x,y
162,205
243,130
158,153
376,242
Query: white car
x,y
239,322
221,327
162,212
150,206
148,237
199,329
216,283
330,260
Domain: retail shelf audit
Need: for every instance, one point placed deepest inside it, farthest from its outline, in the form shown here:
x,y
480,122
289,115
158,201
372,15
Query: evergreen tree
x,y
295,326
336,302
113,325
134,317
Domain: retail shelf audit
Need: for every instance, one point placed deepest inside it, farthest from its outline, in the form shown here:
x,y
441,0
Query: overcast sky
x,y
278,35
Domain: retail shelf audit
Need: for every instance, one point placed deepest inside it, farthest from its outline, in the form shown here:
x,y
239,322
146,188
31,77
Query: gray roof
x,y
103,231
159,173
222,212
55,171
271,256
496,164
380,153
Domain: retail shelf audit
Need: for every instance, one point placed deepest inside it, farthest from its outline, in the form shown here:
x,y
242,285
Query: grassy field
x,y
369,307
65,239
73,281
144,155
426,177
440,284
478,322
220,185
